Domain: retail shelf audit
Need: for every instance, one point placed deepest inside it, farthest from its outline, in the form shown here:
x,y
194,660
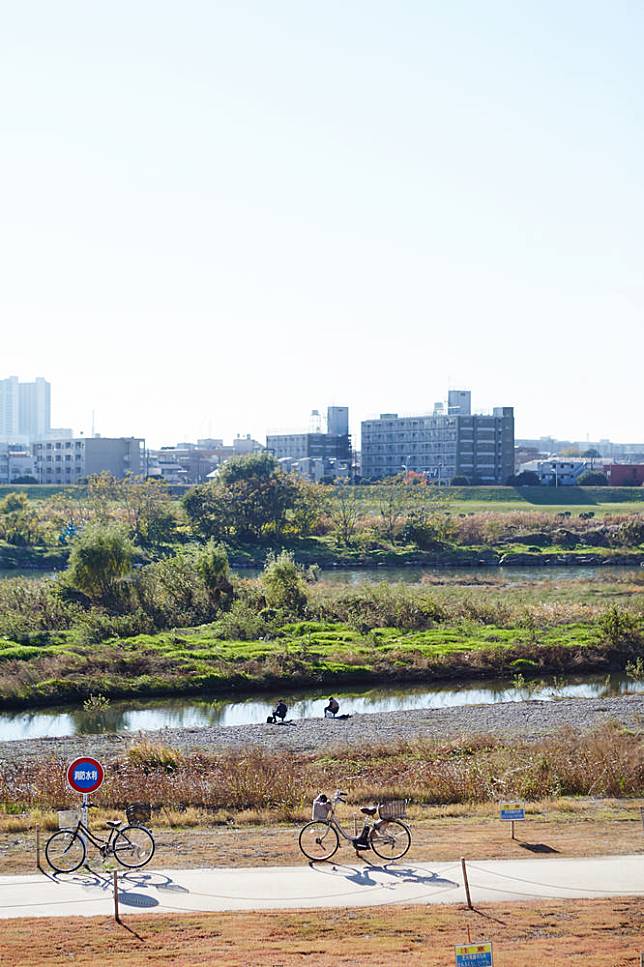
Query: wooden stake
x,y
512,829
469,934
466,884
115,881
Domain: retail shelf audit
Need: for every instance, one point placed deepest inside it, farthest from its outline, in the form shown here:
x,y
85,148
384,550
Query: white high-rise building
x,y
25,410
9,402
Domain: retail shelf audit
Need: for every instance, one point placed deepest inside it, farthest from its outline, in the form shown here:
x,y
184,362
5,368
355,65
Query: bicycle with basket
x,y
131,843
388,836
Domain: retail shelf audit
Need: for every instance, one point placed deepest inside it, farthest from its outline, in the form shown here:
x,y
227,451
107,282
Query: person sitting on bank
x,y
279,712
332,708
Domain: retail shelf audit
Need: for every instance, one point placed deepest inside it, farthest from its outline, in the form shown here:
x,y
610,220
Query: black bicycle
x,y
131,844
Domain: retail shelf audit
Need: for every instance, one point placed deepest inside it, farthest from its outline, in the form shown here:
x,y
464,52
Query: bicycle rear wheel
x,y
134,846
318,841
65,851
390,839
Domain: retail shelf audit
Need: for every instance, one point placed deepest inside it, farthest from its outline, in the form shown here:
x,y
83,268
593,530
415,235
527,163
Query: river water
x,y
251,708
414,575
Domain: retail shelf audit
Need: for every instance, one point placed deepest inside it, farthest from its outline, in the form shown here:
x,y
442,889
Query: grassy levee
x,y
304,653
600,500
44,491
442,629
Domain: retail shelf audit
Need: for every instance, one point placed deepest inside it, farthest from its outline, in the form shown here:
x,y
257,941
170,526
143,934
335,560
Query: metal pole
x,y
38,847
466,884
85,816
512,829
115,883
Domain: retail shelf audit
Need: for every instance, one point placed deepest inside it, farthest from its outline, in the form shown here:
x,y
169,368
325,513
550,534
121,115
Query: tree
x,y
19,522
459,481
592,453
284,585
345,511
13,502
394,503
100,558
592,478
249,500
212,566
527,478
309,509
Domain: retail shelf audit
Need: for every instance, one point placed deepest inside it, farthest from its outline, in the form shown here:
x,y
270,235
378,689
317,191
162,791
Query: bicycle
x,y
131,843
388,836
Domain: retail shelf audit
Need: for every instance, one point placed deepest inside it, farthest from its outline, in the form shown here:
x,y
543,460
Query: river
x,y
251,708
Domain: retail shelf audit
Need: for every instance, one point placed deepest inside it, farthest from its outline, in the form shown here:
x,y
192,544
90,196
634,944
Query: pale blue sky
x,y
219,215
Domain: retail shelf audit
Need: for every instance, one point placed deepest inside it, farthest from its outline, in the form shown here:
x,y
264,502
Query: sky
x,y
218,216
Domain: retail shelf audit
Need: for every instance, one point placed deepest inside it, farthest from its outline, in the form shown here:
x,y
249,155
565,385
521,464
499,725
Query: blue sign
x,y
85,774
474,955
511,811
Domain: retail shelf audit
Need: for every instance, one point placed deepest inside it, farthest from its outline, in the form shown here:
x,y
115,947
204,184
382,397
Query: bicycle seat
x,y
114,823
369,810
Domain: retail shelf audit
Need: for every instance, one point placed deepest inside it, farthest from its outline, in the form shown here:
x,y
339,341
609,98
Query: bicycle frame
x,y
335,824
86,834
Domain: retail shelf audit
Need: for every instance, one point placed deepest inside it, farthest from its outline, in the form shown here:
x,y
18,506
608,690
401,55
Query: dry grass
x,y
597,933
566,827
475,769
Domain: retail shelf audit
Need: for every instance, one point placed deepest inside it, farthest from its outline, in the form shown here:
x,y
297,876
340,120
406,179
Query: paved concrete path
x,y
321,885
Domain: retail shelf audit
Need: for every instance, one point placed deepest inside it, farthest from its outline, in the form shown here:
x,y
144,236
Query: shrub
x,y
284,584
100,558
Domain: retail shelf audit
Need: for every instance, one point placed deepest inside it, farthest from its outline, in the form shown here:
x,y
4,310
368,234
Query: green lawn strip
x,y
193,661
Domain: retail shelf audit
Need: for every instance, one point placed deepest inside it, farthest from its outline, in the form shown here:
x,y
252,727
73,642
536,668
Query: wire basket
x,y
396,809
138,812
67,818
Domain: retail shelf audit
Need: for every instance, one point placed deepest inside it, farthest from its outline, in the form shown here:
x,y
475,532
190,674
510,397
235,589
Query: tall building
x,y
25,410
9,413
442,445
333,448
65,461
34,409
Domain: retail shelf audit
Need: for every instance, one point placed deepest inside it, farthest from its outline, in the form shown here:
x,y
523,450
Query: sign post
x,y
511,812
474,954
85,774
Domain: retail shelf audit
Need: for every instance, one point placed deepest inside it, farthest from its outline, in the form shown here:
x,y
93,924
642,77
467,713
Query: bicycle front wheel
x,y
390,839
133,847
65,851
318,841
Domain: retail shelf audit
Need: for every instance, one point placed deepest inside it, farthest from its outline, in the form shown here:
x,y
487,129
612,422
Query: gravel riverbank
x,y
528,720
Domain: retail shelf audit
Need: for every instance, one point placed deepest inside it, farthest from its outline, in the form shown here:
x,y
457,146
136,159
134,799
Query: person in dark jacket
x,y
332,708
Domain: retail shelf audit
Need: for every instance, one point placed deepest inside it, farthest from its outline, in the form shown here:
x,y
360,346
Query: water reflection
x,y
134,716
487,573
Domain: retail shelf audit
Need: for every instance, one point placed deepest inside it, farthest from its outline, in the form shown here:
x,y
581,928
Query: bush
x,y
100,558
284,584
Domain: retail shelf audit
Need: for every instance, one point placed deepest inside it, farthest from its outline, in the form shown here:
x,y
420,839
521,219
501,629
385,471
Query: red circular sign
x,y
85,774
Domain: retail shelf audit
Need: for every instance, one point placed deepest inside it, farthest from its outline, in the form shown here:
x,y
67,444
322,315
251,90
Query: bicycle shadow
x,y
410,874
130,885
363,876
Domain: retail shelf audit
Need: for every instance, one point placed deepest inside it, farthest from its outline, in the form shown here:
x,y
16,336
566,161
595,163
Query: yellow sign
x,y
474,955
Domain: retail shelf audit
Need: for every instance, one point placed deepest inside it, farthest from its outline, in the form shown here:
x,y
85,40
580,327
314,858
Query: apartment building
x,y
70,461
25,410
449,443
16,464
332,448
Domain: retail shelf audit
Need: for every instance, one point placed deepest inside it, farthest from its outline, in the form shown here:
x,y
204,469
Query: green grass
x,y
43,491
304,653
600,500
